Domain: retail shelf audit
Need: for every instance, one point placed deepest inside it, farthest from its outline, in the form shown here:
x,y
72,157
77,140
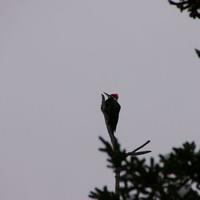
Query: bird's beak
x,y
108,95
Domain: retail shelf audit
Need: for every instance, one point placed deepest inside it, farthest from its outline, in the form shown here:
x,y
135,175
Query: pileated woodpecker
x,y
110,108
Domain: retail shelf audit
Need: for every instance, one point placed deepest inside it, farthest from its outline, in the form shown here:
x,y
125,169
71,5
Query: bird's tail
x,y
112,136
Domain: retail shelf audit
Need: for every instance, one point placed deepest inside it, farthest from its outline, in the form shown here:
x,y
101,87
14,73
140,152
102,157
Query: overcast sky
x,y
56,57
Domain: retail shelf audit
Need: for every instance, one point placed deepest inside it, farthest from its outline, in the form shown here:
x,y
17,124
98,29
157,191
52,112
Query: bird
x,y
111,108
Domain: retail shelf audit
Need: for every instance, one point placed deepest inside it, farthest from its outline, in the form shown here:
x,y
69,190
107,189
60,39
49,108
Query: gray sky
x,y
56,57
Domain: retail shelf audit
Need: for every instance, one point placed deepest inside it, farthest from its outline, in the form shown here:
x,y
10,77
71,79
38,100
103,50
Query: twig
x,y
135,151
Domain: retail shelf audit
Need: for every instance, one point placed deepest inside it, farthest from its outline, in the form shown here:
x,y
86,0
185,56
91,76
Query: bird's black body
x,y
110,109
197,52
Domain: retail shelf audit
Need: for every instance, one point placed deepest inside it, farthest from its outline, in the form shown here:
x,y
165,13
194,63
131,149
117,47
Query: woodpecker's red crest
x,y
115,95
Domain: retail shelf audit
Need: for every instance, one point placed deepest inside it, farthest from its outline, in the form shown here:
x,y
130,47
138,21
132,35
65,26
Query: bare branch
x,y
135,151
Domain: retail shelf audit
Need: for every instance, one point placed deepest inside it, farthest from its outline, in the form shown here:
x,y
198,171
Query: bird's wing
x,y
112,109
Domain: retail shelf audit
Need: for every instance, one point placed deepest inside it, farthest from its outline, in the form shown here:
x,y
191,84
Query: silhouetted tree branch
x,y
135,151
192,6
176,176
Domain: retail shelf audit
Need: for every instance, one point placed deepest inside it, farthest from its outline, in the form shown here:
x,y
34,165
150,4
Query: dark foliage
x,y
175,176
192,6
103,194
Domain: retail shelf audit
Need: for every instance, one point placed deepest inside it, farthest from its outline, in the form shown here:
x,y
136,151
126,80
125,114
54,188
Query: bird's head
x,y
113,95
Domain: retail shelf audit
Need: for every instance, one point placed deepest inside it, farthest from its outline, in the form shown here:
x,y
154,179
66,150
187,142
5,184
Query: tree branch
x,y
135,151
